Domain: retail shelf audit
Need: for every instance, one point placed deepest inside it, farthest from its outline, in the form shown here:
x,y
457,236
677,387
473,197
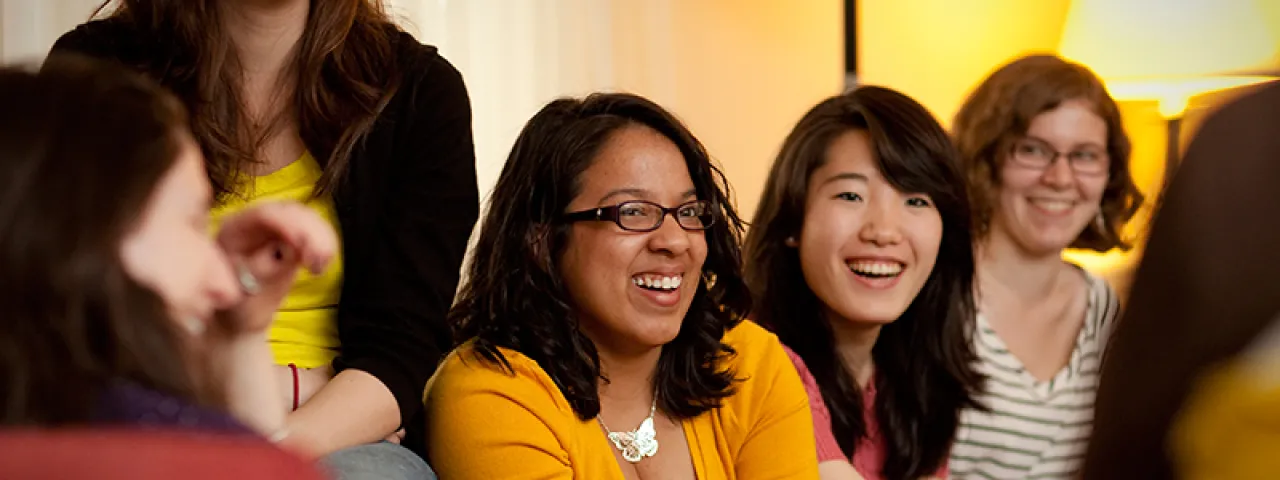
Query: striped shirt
x,y
1036,429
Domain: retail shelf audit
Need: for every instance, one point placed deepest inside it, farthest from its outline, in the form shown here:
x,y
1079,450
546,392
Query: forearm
x,y
245,367
352,409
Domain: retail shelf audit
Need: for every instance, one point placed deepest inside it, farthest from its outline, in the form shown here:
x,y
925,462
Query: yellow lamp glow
x,y
1171,50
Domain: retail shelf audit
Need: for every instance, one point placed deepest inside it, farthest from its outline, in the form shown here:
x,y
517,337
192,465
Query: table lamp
x,y
1172,50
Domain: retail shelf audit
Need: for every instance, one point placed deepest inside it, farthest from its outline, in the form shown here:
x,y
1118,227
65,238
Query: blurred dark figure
x,y
1189,387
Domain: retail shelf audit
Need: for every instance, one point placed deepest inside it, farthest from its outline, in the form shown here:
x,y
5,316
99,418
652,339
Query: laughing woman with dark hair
x,y
861,258
602,317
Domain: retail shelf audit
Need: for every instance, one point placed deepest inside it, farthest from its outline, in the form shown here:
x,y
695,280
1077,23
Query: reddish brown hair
x,y
82,147
1000,111
344,65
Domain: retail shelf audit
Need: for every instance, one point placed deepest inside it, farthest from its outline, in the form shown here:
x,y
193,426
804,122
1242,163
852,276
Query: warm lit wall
x,y
739,72
937,51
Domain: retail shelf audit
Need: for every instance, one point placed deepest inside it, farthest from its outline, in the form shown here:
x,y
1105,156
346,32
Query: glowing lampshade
x,y
1171,50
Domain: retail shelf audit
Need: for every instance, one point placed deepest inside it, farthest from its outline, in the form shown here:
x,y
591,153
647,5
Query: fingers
x,y
287,230
264,246
267,265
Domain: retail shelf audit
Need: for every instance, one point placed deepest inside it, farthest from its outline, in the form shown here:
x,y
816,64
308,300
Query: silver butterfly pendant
x,y
637,444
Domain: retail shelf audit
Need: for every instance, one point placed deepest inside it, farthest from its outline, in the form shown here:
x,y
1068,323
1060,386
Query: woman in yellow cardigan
x,y
601,317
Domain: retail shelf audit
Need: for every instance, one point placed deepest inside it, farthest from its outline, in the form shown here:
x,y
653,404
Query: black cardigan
x,y
406,212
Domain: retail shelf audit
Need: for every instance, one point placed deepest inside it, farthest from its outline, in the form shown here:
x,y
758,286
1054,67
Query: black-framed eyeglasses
x,y
644,216
1034,153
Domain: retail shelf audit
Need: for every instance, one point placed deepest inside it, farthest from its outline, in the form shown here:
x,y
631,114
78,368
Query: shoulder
x,y
464,375
753,343
1253,112
429,116
764,367
802,369
1103,308
484,421
464,367
109,38
428,76
1104,303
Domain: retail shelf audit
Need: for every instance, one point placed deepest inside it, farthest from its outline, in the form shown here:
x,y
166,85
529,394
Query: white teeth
x,y
876,268
657,282
1055,206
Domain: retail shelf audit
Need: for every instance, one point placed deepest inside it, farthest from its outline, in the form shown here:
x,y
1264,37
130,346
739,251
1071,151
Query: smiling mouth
x,y
1052,206
658,283
875,269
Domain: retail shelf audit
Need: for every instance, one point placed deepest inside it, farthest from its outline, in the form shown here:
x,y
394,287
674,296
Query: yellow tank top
x,y
304,331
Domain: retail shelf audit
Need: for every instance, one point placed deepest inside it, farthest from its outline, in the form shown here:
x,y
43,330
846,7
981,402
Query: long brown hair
x,y
82,148
924,359
344,65
1001,109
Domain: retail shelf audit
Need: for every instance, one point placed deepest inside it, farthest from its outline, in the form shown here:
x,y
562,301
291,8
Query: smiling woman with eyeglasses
x,y
601,317
1048,164
643,216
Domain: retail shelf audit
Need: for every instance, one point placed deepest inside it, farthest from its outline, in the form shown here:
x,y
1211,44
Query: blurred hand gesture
x,y
266,244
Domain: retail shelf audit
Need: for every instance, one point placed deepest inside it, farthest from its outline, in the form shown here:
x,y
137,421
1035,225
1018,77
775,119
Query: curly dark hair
x,y
514,297
924,359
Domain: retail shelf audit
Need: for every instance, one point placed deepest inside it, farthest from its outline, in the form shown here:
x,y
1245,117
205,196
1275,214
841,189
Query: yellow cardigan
x,y
484,423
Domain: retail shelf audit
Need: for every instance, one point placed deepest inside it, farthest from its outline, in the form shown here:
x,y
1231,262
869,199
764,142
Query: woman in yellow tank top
x,y
328,103
304,333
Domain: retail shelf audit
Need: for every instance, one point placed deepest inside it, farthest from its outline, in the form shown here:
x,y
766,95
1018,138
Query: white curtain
x,y
515,56
29,27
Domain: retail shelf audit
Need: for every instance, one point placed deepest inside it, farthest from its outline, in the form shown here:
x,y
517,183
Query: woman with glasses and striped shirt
x,y
1047,161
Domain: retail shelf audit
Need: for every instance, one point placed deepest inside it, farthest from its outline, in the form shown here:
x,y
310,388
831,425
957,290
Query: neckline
x,y
686,428
1046,389
304,170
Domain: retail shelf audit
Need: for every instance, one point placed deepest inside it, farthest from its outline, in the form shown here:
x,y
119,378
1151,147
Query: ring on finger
x,y
248,282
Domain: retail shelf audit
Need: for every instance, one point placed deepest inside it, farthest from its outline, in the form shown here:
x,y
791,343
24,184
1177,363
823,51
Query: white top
x,y
1035,429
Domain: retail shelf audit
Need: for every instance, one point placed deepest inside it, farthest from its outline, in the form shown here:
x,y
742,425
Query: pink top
x,y
869,453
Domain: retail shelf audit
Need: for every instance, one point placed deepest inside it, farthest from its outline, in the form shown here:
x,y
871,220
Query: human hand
x,y
266,244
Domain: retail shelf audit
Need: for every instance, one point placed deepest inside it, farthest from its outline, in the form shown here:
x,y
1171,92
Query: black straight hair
x,y
924,360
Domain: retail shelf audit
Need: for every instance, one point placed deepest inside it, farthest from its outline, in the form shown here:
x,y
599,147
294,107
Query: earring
x,y
1100,222
791,242
709,278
